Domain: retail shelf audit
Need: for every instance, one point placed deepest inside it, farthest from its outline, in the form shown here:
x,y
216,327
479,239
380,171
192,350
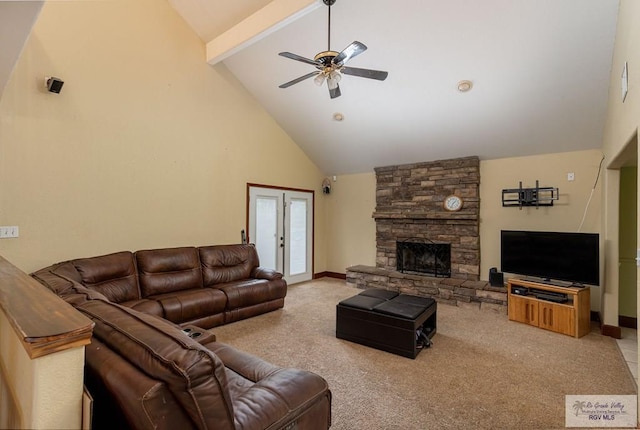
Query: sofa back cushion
x,y
112,275
227,263
194,375
166,270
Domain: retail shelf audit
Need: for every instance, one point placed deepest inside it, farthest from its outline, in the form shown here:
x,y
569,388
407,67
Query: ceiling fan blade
x,y
349,52
365,73
300,79
335,92
299,58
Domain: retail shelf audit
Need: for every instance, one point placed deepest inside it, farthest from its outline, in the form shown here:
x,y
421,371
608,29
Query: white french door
x,y
281,227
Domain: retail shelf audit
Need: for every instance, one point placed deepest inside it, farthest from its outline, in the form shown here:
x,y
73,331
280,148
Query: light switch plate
x,y
9,231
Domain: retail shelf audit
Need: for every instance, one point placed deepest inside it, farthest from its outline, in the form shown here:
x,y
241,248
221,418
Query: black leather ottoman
x,y
385,320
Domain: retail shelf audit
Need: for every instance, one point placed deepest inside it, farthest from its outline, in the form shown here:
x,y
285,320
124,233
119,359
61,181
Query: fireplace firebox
x,y
424,256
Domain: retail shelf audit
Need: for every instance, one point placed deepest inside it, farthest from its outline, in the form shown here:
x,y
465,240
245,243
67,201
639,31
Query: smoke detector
x,y
464,86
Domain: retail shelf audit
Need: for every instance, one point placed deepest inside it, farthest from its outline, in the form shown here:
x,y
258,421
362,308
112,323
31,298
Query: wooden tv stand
x,y
572,317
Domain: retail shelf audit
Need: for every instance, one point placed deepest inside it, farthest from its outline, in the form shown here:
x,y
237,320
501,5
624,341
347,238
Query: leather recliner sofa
x,y
204,286
146,371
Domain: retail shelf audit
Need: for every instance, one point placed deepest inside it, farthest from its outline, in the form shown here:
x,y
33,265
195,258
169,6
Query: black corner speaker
x,y
496,279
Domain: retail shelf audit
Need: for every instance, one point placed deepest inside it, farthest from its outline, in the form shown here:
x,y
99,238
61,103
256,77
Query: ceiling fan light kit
x,y
331,64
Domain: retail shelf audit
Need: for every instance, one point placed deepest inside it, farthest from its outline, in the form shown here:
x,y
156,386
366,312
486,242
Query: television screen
x,y
572,257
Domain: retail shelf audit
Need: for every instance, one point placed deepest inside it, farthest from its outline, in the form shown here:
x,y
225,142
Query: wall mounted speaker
x,y
326,186
54,85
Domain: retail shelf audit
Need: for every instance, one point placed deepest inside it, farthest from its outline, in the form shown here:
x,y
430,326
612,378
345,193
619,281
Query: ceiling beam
x,y
270,18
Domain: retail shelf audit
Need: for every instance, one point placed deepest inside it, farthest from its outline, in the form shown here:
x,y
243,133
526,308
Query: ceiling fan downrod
x,y
329,3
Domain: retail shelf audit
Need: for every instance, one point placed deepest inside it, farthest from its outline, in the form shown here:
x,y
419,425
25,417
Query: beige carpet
x,y
483,371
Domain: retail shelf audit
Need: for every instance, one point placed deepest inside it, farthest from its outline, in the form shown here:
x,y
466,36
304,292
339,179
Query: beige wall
x,y
620,141
623,117
351,229
620,144
146,146
551,171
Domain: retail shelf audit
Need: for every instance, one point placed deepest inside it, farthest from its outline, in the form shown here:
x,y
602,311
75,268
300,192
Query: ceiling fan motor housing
x,y
325,57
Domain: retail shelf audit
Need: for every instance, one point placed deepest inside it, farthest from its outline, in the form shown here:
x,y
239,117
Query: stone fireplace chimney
x,y
409,205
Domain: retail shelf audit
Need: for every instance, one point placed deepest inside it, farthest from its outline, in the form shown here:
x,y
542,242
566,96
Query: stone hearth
x,y
409,205
453,291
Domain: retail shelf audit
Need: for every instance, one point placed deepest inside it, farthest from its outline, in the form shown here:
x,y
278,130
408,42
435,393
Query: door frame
x,y
313,218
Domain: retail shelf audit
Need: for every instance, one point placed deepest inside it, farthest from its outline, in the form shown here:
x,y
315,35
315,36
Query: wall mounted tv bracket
x,y
538,196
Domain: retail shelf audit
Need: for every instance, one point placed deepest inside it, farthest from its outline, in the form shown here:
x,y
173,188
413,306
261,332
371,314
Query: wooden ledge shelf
x,y
406,215
44,322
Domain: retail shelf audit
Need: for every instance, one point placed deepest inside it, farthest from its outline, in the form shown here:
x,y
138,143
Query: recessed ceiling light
x,y
338,116
464,86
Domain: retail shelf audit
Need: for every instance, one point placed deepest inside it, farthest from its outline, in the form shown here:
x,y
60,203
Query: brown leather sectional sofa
x,y
144,368
205,286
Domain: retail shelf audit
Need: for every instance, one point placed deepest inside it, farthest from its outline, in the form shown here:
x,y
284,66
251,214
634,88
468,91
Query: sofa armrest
x,y
264,273
59,278
124,396
288,398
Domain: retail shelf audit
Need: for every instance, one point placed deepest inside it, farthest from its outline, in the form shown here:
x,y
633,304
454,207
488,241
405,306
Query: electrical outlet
x,y
9,231
571,176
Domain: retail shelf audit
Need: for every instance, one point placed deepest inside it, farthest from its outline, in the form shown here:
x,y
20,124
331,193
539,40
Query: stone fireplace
x,y
409,205
410,209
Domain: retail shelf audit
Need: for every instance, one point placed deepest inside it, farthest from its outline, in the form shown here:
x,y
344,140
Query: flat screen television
x,y
571,257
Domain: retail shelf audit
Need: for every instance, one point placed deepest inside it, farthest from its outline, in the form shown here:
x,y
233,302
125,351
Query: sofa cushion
x,y
171,269
147,306
227,263
193,374
189,305
113,275
252,291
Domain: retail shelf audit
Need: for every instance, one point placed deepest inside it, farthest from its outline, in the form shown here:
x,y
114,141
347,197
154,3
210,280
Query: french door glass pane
x,y
298,239
266,234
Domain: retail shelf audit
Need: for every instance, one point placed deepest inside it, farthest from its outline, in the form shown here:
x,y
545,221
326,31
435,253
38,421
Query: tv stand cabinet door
x,y
558,318
523,310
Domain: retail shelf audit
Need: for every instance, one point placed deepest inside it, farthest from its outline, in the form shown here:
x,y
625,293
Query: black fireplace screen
x,y
424,256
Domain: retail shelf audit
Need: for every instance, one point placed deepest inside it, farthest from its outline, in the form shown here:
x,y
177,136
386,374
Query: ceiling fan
x,y
331,64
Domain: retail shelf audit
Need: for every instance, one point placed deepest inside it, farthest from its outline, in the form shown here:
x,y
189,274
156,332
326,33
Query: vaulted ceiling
x,y
16,20
540,71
